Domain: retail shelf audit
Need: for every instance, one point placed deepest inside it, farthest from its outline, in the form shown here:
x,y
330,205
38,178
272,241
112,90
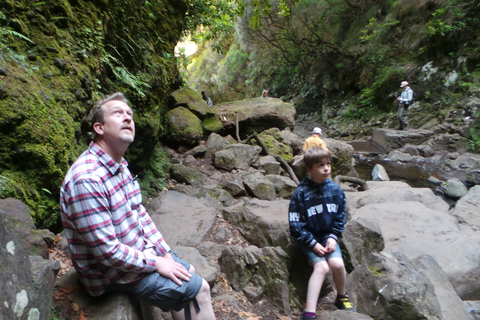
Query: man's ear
x,y
98,127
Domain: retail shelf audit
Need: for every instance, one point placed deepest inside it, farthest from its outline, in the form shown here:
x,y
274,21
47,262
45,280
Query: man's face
x,y
320,171
117,122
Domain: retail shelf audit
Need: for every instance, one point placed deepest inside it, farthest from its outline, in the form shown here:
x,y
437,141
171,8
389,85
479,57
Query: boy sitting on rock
x,y
317,215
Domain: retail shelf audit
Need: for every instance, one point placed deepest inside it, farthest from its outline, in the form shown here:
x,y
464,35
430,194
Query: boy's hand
x,y
319,249
331,245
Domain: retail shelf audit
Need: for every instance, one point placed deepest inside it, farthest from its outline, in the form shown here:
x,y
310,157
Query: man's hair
x,y
316,155
97,112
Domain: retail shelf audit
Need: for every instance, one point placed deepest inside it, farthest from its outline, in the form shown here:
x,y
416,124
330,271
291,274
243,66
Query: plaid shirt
x,y
111,236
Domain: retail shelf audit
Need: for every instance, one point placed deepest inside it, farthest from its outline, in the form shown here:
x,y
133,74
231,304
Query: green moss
x,y
212,124
274,146
376,272
60,57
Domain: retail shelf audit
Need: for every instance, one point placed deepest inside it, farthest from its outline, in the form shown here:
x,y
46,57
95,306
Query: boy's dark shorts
x,y
162,292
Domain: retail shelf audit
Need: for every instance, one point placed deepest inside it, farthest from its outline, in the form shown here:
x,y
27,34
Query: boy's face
x,y
320,171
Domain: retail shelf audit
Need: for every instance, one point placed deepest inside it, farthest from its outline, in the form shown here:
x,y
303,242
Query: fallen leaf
x,y
75,306
57,238
82,316
283,317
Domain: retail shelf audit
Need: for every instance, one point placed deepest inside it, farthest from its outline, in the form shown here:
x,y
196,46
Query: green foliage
x,y
152,180
209,20
473,144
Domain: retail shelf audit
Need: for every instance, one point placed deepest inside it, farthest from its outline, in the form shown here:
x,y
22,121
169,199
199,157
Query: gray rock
x,y
453,188
451,307
185,128
236,156
256,115
257,185
262,223
467,209
215,142
473,309
26,282
190,99
24,226
406,215
224,159
298,167
188,175
250,270
284,186
362,237
106,307
379,173
389,287
389,139
234,186
293,140
269,165
343,315
473,176
173,211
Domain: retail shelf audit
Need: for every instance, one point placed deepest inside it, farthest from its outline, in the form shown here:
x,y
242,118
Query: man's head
x,y
112,116
317,130
403,84
204,94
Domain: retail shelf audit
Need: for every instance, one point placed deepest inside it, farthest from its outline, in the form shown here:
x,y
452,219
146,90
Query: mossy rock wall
x,y
56,59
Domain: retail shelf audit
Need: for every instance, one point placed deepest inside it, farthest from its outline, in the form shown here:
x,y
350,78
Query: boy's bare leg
x,y
315,283
339,274
204,302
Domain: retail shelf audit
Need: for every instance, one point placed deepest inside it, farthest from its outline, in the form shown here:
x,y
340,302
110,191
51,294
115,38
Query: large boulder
x,y
255,115
27,281
173,211
184,127
389,286
467,209
389,139
190,99
262,223
236,156
414,221
258,272
257,185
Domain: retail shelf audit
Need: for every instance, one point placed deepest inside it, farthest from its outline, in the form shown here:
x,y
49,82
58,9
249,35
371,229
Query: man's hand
x,y
168,268
331,245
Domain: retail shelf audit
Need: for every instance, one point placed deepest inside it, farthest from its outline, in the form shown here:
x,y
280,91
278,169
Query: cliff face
x,y
56,58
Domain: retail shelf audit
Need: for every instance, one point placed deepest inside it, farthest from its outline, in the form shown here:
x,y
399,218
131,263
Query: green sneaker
x,y
343,302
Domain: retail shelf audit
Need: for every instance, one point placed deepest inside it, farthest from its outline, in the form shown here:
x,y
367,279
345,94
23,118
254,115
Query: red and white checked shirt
x,y
111,236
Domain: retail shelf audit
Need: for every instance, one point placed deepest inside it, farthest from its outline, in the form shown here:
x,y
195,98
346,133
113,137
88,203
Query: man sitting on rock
x,y
115,245
315,140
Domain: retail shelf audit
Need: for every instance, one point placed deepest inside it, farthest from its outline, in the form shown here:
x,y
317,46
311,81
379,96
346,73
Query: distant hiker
x,y
317,217
207,99
315,140
404,101
265,93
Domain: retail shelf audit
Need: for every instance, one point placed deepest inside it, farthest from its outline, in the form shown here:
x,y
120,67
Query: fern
x,y
7,32
123,75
